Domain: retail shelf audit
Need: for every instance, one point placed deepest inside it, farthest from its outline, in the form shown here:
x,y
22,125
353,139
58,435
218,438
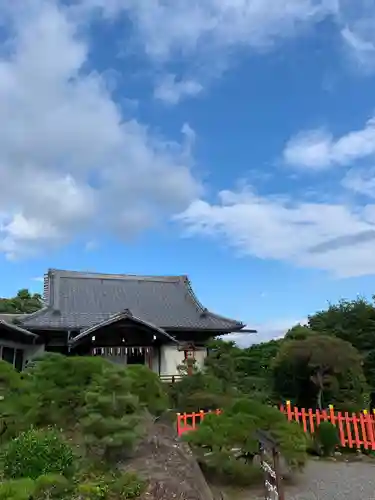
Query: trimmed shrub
x,y
37,452
148,387
111,418
227,442
327,437
57,399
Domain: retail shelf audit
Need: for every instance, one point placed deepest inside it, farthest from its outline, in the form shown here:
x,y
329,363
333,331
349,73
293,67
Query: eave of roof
x,y
21,331
114,319
193,316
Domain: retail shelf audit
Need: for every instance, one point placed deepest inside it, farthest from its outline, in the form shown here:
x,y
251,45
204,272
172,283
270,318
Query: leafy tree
x,y
245,370
23,303
253,366
350,320
319,370
354,322
222,361
299,332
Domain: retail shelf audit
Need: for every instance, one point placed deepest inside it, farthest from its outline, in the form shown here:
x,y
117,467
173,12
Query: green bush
x,y
52,399
148,387
92,490
51,486
37,452
200,391
222,467
119,486
19,489
327,437
111,418
127,485
219,435
11,386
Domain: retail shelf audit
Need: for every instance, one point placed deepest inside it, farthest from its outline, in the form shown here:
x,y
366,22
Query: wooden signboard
x,y
270,463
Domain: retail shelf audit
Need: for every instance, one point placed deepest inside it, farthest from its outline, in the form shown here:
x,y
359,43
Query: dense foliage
x,y
318,370
330,360
98,410
71,417
35,453
226,444
23,303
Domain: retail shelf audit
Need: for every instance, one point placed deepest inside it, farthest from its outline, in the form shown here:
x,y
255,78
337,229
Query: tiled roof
x,y
17,333
80,300
11,318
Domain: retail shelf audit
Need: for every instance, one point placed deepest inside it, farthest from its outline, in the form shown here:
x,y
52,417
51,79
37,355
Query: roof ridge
x,y
193,296
96,275
205,310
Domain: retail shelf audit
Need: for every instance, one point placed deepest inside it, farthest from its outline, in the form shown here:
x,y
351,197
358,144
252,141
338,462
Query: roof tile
x,y
80,300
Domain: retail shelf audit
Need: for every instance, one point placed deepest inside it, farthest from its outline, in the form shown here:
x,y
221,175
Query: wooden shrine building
x,y
152,320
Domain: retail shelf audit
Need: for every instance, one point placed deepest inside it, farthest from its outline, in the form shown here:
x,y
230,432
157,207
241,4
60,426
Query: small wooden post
x,y
269,452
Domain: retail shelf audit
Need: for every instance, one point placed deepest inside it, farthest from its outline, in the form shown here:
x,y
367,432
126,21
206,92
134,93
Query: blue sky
x,y
230,140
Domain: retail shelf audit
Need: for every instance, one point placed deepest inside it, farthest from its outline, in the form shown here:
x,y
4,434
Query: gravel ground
x,y
334,481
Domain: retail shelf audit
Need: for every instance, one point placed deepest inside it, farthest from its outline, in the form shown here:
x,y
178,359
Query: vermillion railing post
x,y
370,428
332,416
356,431
340,419
362,422
178,424
289,411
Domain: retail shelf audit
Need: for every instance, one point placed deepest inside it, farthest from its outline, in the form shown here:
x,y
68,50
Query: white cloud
x,y
332,237
39,279
172,91
208,31
361,181
357,18
69,163
318,149
270,330
178,27
360,50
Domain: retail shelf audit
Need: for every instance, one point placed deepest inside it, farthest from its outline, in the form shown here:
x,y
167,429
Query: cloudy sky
x,y
231,140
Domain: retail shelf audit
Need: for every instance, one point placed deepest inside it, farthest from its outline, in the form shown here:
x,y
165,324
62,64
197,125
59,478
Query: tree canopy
x,y
23,303
319,370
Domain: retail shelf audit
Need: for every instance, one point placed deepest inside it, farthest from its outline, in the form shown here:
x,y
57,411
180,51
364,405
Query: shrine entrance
x,y
136,356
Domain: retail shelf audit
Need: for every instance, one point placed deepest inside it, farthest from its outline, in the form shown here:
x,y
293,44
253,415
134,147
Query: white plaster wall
x,y
200,356
29,351
155,360
171,358
33,351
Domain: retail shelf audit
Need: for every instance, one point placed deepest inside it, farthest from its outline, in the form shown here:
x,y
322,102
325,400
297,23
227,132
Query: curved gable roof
x,y
126,315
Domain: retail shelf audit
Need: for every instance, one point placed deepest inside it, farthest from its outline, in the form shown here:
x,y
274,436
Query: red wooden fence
x,y
355,430
189,421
